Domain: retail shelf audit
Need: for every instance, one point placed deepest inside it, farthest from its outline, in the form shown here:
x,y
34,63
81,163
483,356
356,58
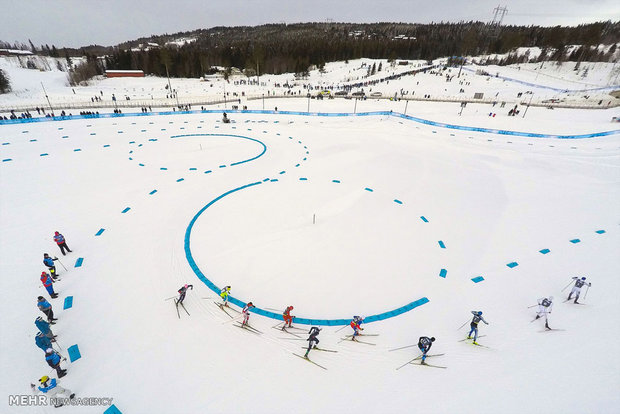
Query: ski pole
x,y
586,294
533,306
570,283
402,347
340,329
171,297
463,324
63,266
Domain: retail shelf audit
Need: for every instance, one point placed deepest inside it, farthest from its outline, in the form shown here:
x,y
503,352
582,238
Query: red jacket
x,y
46,280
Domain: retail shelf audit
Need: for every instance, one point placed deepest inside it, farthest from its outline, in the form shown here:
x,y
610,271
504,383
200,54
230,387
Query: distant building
x,y
15,52
124,74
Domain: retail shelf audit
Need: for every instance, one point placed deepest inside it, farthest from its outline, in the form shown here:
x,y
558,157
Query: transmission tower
x,y
498,17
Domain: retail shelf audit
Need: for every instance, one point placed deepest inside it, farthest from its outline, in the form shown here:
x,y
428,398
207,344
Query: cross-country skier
x,y
47,281
246,313
288,319
42,341
51,388
224,294
577,288
49,262
183,291
53,360
44,328
545,305
425,343
62,244
355,324
474,324
313,341
45,307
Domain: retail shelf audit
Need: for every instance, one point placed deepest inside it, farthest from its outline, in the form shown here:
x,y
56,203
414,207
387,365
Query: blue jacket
x,y
43,326
48,261
42,341
52,385
52,359
43,304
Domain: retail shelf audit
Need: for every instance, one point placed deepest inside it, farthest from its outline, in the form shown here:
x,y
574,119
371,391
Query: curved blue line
x,y
228,135
273,315
332,114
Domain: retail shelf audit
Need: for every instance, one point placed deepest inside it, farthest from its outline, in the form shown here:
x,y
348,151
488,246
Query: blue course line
x,y
303,179
163,168
329,114
424,219
7,159
477,279
112,410
77,149
106,145
272,315
79,261
74,353
65,136
233,136
180,179
544,251
68,302
336,181
575,241
100,232
369,189
441,244
126,210
512,264
398,201
152,192
443,273
44,154
600,231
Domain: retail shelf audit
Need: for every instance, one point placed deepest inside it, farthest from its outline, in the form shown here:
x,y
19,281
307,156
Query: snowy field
x,y
490,199
337,216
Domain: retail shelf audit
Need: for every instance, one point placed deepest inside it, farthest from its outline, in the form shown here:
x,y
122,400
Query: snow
x,y
492,199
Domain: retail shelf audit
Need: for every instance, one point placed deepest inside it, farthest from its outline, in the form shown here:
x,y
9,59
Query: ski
x,y
428,356
479,336
552,329
176,305
294,327
408,362
319,349
355,340
308,359
402,347
480,345
238,325
284,330
349,336
183,306
246,326
219,305
429,365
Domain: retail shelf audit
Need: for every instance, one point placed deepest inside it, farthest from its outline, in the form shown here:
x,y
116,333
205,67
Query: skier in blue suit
x,y
474,325
42,341
44,328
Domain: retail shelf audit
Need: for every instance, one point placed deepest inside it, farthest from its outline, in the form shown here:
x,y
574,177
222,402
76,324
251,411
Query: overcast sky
x,y
75,23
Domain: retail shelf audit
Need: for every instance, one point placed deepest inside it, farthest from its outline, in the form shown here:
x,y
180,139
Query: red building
x,y
124,74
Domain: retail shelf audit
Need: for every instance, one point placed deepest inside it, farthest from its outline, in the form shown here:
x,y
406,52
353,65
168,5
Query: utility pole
x,y
498,17
47,97
170,86
528,105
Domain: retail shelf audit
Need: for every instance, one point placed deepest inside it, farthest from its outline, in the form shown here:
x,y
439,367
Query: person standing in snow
x,y
53,360
545,305
182,293
44,328
355,324
288,319
425,343
49,262
246,313
224,294
313,341
474,324
579,283
47,281
61,242
42,341
45,307
51,388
